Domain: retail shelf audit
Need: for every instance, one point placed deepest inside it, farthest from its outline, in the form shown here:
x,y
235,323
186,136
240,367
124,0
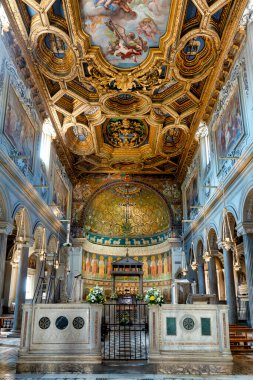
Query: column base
x,y
14,334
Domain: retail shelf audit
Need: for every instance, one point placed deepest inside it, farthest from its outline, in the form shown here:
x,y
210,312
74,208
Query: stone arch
x,y
212,238
52,244
200,251
232,218
248,207
23,221
4,206
39,237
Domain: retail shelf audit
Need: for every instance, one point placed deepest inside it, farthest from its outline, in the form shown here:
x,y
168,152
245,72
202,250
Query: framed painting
x,y
229,129
18,128
192,195
60,193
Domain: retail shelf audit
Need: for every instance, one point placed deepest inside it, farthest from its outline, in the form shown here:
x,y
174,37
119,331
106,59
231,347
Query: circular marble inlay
x,y
78,323
44,323
188,323
61,323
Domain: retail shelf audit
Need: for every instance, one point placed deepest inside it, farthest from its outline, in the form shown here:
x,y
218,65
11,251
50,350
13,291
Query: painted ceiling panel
x,y
126,82
125,30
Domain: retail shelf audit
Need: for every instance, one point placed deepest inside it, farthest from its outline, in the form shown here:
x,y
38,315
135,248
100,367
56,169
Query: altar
x,y
127,267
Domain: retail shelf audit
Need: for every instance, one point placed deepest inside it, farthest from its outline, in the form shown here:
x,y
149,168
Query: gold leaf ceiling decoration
x,y
153,67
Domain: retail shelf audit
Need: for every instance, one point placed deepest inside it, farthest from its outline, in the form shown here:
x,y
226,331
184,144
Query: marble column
x,y
248,252
21,288
213,284
141,284
13,283
221,289
201,279
3,246
113,284
230,285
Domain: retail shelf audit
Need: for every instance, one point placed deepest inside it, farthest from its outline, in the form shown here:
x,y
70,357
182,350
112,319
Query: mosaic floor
x,y
242,370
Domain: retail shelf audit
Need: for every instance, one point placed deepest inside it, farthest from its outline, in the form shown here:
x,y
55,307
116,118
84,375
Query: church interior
x,y
126,189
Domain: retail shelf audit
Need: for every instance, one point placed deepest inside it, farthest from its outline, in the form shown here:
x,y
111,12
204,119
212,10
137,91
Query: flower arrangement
x,y
139,297
114,296
153,297
125,319
96,295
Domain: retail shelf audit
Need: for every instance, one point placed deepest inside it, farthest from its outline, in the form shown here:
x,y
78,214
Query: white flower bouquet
x,y
153,297
96,295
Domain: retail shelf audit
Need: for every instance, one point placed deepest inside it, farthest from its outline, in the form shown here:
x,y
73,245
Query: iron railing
x,y
125,332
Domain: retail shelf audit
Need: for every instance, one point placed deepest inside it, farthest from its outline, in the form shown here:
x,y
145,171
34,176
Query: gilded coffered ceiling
x,y
127,82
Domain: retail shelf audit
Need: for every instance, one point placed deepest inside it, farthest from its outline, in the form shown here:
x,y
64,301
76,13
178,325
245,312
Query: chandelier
x,y
207,254
184,270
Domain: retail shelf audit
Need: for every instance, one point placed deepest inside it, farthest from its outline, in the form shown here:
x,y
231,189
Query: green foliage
x,y
96,295
153,297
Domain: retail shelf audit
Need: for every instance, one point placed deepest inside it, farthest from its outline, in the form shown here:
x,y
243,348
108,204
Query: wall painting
x,y
60,194
18,127
192,196
229,129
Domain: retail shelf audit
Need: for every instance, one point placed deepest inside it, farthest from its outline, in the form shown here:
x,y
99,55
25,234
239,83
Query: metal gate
x,y
125,332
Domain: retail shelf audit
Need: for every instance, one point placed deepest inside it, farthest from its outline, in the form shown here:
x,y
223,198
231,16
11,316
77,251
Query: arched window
x,y
46,139
203,136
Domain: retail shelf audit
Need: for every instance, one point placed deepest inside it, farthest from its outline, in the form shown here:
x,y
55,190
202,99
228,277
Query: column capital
x,y
6,228
244,228
25,242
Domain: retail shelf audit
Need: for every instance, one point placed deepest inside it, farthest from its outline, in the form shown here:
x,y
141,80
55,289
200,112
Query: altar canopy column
x,y
248,252
230,285
113,284
213,284
21,287
141,284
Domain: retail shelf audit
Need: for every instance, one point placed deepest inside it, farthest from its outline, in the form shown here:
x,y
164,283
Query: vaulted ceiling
x,y
127,82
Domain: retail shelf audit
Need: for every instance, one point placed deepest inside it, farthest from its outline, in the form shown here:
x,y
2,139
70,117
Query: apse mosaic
x,y
157,266
125,29
129,241
127,133
82,196
127,209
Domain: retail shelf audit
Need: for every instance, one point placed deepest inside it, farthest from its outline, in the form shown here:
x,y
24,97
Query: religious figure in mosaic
x,y
94,264
153,266
160,265
145,266
101,266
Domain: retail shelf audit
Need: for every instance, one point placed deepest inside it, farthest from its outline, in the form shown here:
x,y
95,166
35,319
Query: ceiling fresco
x,y
127,82
125,30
